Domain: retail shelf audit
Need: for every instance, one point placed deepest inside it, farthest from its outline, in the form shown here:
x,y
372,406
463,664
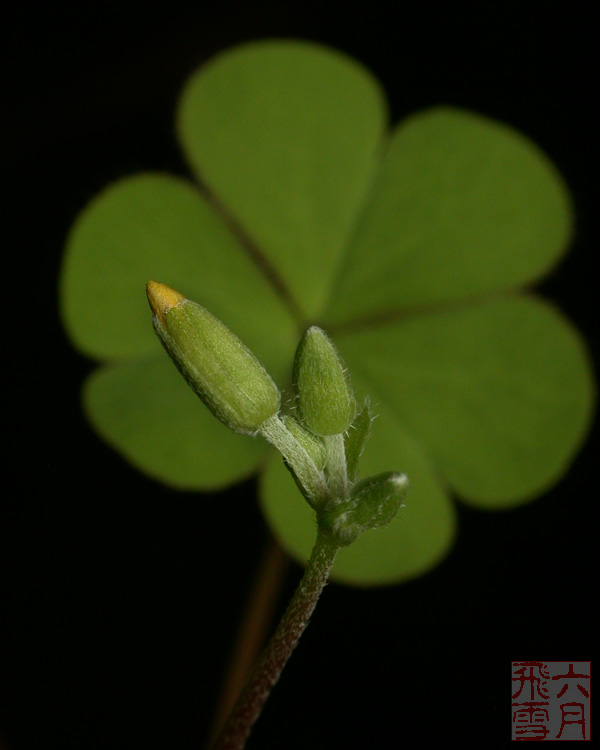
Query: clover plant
x,y
414,247
318,447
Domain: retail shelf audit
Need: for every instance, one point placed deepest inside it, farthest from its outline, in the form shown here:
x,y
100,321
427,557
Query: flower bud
x,y
324,395
373,503
220,369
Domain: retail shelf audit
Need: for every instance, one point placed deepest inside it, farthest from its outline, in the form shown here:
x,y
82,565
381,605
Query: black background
x,y
119,597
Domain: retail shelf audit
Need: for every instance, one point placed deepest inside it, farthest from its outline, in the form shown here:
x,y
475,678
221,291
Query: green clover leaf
x,y
411,248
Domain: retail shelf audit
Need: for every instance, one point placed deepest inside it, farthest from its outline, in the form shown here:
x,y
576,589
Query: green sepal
x,y
218,366
356,437
324,395
373,503
311,443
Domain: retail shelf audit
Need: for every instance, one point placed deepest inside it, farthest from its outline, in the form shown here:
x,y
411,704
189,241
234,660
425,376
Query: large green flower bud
x,y
216,364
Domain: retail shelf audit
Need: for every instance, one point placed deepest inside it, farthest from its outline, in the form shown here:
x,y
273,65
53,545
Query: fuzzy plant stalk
x,y
320,443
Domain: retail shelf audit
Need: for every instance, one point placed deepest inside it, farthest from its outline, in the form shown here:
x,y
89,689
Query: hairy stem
x,y
253,630
304,468
336,466
278,650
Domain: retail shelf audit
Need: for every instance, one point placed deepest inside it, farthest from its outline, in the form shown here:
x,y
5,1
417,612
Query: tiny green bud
x,y
323,391
312,444
220,369
373,503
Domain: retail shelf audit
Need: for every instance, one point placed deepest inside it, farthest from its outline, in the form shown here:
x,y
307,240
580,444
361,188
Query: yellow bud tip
x,y
162,298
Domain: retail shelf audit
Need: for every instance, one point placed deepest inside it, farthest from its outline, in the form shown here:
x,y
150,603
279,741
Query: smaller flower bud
x,y
325,398
373,503
220,369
